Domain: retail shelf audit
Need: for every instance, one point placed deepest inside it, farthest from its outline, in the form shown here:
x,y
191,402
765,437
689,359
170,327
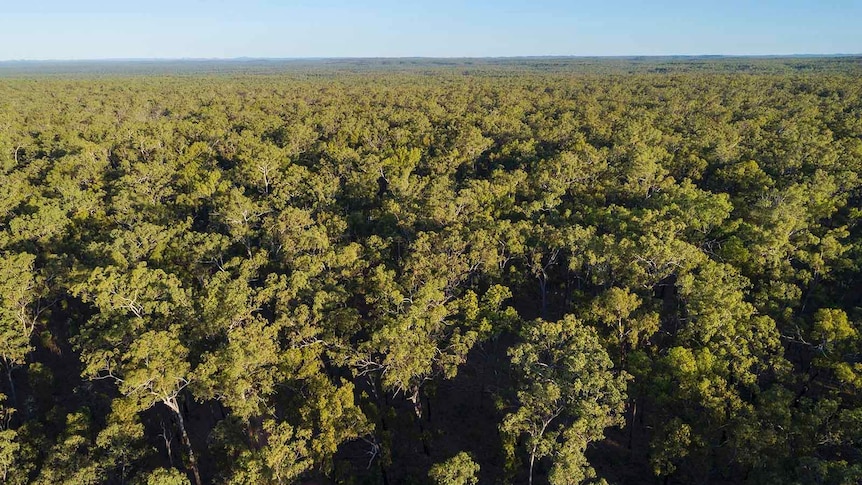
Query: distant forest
x,y
431,271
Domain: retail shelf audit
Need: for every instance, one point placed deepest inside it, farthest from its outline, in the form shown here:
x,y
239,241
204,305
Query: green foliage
x,y
240,278
162,476
568,394
9,446
458,470
22,289
70,460
838,338
282,459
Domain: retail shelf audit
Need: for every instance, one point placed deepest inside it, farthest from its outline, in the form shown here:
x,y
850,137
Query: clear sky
x,y
97,29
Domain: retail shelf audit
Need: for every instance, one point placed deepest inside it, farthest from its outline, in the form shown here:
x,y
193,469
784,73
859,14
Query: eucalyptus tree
x,y
567,394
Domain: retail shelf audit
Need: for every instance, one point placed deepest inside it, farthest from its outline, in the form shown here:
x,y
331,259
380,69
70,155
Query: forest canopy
x,y
549,271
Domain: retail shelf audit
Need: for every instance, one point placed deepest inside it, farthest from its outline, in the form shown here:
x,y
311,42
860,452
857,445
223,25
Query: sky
x,y
99,29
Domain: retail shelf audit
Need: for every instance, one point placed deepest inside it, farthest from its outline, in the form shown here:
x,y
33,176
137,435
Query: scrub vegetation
x,y
545,271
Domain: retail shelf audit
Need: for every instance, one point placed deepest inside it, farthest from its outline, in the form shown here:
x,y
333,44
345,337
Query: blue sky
x,y
97,29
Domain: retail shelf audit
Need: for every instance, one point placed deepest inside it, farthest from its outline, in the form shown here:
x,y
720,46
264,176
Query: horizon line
x,y
340,58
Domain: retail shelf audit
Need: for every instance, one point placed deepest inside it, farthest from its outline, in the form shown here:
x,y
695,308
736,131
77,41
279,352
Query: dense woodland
x,y
425,273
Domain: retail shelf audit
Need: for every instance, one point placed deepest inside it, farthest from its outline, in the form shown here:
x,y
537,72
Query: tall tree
x,y
568,393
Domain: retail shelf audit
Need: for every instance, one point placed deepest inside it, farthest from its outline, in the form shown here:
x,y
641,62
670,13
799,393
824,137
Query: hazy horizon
x,y
52,30
359,58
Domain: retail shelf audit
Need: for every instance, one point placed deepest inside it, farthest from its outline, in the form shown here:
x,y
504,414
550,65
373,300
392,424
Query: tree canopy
x,y
540,271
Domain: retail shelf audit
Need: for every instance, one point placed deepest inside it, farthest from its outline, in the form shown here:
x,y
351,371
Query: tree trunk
x,y
416,399
384,427
632,415
168,438
13,396
422,437
567,294
193,464
417,402
532,461
383,472
543,286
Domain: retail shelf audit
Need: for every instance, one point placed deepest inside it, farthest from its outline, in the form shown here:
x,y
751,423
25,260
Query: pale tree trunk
x,y
532,461
537,437
13,396
166,436
416,399
417,402
193,464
